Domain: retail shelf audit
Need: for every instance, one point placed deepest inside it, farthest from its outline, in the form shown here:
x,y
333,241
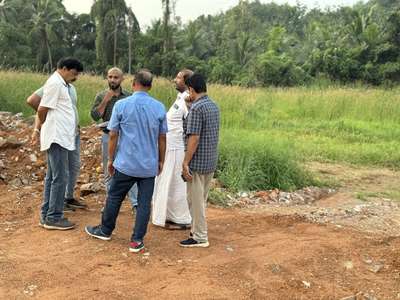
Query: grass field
x,y
268,133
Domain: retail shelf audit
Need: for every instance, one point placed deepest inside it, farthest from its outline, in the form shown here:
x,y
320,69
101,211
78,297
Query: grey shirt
x,y
203,120
109,107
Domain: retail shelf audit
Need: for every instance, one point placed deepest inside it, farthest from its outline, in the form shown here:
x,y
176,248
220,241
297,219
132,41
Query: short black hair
x,y
197,82
143,77
70,63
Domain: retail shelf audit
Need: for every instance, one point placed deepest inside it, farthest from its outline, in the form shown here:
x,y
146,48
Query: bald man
x,y
102,109
138,126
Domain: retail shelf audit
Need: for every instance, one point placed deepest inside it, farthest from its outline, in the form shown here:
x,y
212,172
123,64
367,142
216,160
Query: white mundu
x,y
169,200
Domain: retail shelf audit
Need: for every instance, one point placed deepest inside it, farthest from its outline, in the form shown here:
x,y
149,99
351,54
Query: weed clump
x,y
249,164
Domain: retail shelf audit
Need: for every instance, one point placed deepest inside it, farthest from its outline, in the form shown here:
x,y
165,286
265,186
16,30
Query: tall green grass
x,y
259,162
266,134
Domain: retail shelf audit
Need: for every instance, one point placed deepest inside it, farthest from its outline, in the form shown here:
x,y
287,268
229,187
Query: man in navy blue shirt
x,y
138,126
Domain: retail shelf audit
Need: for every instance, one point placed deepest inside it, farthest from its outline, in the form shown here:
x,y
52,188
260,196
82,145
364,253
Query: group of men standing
x,y
159,159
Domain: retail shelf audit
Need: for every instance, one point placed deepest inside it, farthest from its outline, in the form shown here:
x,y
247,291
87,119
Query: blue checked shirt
x,y
203,120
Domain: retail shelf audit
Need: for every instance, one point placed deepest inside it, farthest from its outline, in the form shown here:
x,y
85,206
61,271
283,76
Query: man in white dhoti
x,y
170,207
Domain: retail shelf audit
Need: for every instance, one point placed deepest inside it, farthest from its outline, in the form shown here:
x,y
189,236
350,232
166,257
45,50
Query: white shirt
x,y
60,125
175,116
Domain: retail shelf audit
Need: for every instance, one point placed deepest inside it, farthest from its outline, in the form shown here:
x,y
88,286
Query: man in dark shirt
x,y
102,109
202,133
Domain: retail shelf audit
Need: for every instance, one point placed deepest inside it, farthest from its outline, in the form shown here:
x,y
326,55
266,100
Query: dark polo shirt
x,y
108,110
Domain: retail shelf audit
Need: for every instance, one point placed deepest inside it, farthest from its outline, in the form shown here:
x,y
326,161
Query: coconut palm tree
x,y
47,16
133,28
109,16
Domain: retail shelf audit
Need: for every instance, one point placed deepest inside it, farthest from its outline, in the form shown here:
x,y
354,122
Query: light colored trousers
x,y
197,191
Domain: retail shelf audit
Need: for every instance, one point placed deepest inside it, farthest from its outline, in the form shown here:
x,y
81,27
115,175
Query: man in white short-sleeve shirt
x,y
74,162
58,116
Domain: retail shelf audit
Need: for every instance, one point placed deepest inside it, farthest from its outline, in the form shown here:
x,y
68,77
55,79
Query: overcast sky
x,y
148,10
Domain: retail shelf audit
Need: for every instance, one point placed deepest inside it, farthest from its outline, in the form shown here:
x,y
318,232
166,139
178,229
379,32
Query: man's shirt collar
x,y
124,92
140,93
62,79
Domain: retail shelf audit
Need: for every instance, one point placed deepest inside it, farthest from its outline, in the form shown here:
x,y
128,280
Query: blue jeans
x,y
119,186
55,183
133,192
74,164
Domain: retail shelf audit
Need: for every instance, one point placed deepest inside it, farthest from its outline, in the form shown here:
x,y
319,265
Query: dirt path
x,y
252,256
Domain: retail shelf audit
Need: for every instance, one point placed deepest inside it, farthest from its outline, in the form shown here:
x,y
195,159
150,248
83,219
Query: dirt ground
x,y
253,255
352,249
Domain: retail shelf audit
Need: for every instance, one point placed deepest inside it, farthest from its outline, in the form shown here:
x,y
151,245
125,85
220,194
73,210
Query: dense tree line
x,y
250,44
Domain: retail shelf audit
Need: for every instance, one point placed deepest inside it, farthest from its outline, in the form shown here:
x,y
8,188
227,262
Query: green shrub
x,y
246,163
217,197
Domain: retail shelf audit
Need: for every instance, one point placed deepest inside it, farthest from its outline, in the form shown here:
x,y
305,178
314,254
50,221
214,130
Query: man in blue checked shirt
x,y
202,133
138,126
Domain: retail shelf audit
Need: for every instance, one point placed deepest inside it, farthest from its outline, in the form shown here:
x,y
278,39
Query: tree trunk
x,y
167,29
130,52
115,41
49,56
132,27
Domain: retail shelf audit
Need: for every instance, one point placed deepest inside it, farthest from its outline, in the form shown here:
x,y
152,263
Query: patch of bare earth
x,y
252,255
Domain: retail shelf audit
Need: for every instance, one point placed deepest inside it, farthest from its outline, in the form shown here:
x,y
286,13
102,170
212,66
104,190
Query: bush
x,y
278,70
341,64
217,197
222,71
195,64
390,71
248,163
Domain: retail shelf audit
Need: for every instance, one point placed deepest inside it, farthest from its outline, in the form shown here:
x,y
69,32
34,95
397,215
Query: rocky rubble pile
x,y
8,121
22,164
13,137
319,205
305,196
